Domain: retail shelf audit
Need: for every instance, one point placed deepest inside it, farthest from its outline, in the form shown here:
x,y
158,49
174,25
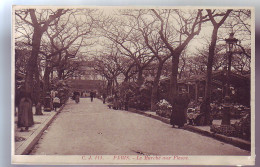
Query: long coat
x,y
25,115
180,104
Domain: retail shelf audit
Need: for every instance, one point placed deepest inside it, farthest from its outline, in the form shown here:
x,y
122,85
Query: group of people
x,y
76,95
179,113
25,108
119,101
51,101
55,100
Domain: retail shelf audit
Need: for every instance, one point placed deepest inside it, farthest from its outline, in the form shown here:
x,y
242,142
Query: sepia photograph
x,y
133,85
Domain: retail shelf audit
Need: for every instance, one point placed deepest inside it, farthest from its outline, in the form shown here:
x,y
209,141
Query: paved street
x,y
91,128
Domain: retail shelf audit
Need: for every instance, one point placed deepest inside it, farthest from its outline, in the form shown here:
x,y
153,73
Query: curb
x,y
165,120
28,145
243,144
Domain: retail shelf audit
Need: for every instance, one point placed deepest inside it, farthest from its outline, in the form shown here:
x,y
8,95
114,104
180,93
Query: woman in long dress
x,y
25,115
180,105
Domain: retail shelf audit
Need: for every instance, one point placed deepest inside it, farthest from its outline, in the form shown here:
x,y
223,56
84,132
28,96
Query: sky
x,y
199,41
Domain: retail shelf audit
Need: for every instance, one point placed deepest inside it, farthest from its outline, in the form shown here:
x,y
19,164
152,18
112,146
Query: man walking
x,y
56,103
104,97
91,96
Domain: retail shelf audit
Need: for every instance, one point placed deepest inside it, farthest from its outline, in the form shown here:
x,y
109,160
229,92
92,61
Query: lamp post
x,y
231,42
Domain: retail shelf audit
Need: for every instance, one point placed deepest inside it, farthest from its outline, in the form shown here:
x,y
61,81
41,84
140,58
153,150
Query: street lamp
x,y
231,42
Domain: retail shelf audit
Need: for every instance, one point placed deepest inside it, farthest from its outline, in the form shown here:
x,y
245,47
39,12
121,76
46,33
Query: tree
x,y
214,36
148,28
63,41
189,25
129,42
107,64
39,20
239,22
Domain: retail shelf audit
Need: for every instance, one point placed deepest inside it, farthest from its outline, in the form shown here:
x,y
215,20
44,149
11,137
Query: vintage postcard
x,y
133,85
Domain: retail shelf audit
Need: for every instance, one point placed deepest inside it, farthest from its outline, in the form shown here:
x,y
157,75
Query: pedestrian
x,y
56,103
104,97
52,94
25,114
115,104
179,113
126,101
91,96
203,106
76,96
38,108
47,102
115,101
204,109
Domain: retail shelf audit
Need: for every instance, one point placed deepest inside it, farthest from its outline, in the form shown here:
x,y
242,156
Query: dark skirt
x,y
25,115
178,116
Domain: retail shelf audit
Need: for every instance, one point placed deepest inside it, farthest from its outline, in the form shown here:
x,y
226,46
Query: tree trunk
x,y
210,61
140,78
173,80
109,87
32,63
117,84
209,74
60,74
38,94
33,71
46,80
154,96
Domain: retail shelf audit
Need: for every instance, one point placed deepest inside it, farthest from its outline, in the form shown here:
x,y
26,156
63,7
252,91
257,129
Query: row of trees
x,y
151,40
47,43
128,44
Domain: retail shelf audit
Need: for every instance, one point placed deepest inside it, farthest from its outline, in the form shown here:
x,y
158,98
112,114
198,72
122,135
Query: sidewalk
x,y
25,141
203,130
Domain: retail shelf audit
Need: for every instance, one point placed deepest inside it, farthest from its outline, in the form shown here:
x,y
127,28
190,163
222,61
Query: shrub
x,y
240,129
62,88
139,97
110,99
164,108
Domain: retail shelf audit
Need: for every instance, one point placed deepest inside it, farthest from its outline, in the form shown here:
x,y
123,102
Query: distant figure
x,y
203,106
92,95
52,94
127,96
76,96
104,97
38,109
48,102
25,114
179,112
115,102
56,103
75,93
